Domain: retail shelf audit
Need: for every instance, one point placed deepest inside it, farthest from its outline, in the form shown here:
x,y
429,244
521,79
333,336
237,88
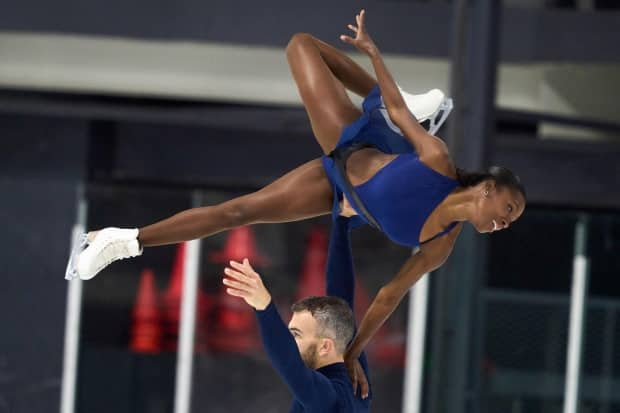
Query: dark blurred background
x,y
137,110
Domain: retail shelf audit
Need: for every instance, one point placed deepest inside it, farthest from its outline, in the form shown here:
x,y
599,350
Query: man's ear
x,y
326,346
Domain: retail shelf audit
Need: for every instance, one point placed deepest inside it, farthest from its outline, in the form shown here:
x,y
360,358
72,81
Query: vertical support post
x,y
185,355
416,336
577,321
455,122
454,380
72,320
607,361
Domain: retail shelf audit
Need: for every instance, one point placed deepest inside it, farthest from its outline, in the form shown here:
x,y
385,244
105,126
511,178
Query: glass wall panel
x,y
231,369
526,306
128,360
124,365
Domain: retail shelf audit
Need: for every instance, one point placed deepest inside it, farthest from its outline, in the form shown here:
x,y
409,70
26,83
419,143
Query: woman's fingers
x,y
354,381
362,380
352,374
360,20
346,39
357,29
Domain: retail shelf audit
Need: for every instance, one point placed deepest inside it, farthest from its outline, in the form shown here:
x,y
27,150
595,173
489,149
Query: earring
x,y
486,193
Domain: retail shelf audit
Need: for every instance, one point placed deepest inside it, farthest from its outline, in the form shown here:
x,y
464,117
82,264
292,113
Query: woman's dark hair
x,y
503,178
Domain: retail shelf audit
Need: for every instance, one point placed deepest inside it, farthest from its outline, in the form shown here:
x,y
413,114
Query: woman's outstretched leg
x,y
318,69
303,193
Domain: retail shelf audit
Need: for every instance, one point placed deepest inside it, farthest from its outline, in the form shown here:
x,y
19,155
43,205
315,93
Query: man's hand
x,y
362,40
357,375
244,282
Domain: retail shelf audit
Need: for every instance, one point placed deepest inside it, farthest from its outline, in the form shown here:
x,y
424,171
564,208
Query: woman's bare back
x,y
363,164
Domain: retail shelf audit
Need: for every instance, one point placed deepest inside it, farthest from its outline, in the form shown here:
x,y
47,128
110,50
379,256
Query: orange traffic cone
x,y
312,280
362,300
172,305
234,327
234,324
389,347
146,331
240,244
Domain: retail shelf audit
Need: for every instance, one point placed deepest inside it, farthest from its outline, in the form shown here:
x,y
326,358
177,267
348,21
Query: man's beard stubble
x,y
309,357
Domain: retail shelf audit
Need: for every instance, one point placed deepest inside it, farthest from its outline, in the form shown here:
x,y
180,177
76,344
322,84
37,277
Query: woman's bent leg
x,y
326,101
353,76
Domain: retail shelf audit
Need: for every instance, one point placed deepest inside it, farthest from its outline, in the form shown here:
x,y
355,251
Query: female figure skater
x,y
380,167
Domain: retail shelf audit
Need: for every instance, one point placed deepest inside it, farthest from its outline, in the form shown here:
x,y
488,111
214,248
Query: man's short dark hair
x,y
334,317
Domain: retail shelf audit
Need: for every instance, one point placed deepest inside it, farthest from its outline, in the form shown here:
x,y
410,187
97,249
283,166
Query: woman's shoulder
x,y
439,160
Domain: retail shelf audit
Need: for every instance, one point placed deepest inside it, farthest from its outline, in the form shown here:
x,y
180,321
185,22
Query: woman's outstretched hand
x,y
362,40
357,375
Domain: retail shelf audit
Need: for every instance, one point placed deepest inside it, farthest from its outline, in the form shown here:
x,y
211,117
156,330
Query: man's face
x,y
304,327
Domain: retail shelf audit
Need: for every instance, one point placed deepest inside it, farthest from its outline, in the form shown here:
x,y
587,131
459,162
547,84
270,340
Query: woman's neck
x,y
459,205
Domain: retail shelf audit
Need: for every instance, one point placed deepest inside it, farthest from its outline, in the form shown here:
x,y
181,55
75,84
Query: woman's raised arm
x,y
425,145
